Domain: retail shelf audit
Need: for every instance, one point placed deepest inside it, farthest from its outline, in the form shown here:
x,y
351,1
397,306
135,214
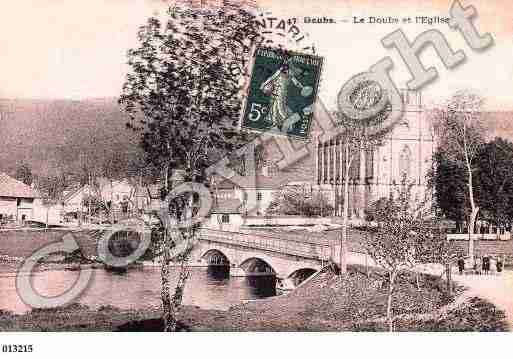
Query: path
x,y
497,289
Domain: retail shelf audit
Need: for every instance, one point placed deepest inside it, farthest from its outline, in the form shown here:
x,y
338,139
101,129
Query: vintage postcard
x,y
255,166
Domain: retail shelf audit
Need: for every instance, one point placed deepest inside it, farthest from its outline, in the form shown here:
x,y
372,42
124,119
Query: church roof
x,y
10,187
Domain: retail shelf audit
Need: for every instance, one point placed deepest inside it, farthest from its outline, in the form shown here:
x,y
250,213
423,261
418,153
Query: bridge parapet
x,y
318,250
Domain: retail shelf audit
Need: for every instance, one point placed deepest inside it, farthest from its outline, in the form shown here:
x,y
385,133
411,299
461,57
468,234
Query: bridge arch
x,y
215,257
257,266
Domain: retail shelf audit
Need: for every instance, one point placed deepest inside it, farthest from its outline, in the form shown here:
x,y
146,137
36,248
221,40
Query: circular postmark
x,y
283,33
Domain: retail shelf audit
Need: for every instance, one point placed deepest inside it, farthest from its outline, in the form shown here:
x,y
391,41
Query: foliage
x,y
94,204
492,174
495,179
399,221
186,79
300,201
24,174
51,187
433,245
395,243
375,209
448,180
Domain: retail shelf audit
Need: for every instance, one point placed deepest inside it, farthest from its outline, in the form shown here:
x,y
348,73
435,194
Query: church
x,y
374,173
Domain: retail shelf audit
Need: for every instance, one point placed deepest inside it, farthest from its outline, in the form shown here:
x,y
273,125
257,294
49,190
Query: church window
x,y
369,163
405,162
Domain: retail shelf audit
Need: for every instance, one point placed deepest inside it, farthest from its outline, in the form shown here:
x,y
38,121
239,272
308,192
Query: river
x,y
138,288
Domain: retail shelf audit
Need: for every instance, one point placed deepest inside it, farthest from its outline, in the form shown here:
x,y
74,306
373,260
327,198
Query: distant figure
x,y
499,264
486,265
461,265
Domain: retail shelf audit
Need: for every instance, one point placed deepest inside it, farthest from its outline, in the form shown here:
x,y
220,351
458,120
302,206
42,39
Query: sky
x,y
77,49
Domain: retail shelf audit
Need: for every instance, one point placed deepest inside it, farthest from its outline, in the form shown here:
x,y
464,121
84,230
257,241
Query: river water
x,y
138,288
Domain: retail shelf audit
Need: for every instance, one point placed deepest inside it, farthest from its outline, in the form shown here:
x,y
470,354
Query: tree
x,y
95,204
299,201
448,181
50,189
360,136
183,94
375,208
433,246
457,124
24,174
394,244
495,178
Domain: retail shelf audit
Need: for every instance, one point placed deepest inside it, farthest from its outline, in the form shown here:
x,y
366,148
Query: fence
x,y
285,221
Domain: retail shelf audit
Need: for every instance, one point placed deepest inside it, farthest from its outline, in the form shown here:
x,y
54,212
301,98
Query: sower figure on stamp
x,y
276,86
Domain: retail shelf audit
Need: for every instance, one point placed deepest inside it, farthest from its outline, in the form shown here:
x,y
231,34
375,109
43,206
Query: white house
x,y
17,200
226,215
73,198
115,191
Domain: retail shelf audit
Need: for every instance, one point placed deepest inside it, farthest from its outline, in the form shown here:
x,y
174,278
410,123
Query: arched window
x,y
405,162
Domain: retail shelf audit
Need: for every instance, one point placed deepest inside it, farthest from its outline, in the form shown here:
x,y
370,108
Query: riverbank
x,y
326,303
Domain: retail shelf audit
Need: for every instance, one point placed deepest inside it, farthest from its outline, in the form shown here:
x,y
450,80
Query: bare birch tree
x,y
460,133
359,136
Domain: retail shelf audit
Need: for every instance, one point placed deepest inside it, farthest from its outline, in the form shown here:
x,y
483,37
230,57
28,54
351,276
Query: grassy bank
x,y
356,303
22,243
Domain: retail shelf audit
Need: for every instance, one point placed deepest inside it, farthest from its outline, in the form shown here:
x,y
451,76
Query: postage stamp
x,y
282,92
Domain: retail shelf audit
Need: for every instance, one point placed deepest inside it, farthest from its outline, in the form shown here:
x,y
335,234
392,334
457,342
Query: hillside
x,y
52,135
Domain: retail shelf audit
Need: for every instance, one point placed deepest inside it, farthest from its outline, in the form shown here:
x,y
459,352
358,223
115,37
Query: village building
x,y
73,198
18,201
115,192
226,215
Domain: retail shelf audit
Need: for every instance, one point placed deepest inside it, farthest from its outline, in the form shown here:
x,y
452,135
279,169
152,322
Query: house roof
x,y
10,187
303,171
72,190
226,206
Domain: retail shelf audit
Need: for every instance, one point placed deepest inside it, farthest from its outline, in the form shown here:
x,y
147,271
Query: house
x,y
263,183
74,196
114,191
73,202
147,198
18,201
226,215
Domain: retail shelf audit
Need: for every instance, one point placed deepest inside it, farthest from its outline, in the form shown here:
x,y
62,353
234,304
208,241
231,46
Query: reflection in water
x,y
218,274
209,288
262,286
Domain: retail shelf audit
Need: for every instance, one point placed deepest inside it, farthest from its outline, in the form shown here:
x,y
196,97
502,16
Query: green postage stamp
x,y
282,92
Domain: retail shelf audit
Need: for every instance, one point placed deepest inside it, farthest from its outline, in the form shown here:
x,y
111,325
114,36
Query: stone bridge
x,y
262,254
288,256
